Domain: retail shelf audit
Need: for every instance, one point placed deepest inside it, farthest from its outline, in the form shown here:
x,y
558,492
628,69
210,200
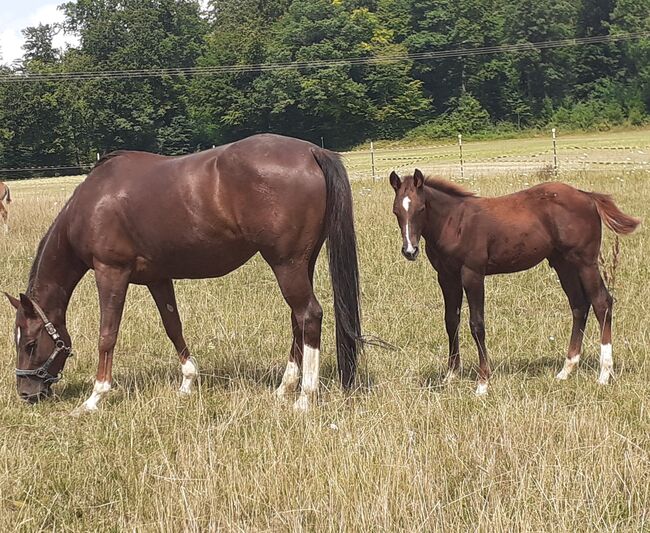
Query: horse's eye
x,y
30,347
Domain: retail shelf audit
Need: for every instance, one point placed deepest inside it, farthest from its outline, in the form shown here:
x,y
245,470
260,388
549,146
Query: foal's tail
x,y
344,268
612,216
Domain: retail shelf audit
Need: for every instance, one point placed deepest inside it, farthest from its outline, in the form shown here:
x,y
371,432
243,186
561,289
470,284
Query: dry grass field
x,y
403,453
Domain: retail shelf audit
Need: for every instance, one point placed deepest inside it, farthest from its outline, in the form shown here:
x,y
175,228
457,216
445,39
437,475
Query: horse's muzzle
x,y
412,254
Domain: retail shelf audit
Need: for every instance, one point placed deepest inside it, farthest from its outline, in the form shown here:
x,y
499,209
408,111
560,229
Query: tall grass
x,y
403,453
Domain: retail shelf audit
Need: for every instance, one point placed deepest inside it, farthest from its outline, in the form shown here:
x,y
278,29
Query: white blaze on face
x,y
569,364
606,363
310,378
290,380
406,204
190,370
17,336
100,390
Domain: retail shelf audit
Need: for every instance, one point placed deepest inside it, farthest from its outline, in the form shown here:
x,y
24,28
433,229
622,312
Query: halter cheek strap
x,y
43,371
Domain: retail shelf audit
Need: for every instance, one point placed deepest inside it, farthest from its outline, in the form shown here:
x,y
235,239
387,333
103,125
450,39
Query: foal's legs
x,y
602,303
474,285
307,314
452,292
570,281
163,295
112,283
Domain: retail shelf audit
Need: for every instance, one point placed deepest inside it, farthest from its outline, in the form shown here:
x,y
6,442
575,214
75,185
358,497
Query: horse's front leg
x,y
112,283
474,285
452,292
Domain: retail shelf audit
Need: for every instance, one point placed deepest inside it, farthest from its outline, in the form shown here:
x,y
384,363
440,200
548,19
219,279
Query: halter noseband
x,y
43,371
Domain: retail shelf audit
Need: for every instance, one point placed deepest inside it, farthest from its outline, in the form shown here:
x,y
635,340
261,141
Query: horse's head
x,y
42,346
409,206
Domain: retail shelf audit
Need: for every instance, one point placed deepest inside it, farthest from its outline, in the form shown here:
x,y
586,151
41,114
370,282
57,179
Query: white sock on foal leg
x,y
569,364
190,370
606,363
310,379
290,380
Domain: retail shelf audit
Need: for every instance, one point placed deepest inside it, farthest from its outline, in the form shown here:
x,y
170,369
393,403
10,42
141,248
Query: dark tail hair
x,y
7,194
344,267
612,216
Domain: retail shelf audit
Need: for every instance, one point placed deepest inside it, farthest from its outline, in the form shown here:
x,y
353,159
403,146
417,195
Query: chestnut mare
x,y
468,237
147,219
5,195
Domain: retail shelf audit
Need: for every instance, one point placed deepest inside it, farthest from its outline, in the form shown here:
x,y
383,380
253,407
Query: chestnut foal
x,y
468,238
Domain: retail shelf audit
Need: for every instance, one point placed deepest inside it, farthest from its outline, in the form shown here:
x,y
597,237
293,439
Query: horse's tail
x,y
344,267
612,216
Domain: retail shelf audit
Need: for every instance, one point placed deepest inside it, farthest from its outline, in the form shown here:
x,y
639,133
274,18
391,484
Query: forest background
x,y
66,121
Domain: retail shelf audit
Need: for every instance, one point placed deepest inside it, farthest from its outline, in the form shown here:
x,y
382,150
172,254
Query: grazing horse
x,y
5,195
468,238
148,219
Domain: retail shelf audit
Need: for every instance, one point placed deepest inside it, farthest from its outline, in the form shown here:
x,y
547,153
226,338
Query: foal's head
x,y
41,353
409,208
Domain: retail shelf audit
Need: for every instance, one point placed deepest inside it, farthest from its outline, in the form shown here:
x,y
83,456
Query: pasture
x,y
402,453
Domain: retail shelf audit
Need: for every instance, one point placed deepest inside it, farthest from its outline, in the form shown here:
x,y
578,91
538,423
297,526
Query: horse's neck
x,y
440,206
55,273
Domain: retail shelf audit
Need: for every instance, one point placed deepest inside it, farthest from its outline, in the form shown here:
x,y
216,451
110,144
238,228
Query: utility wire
x,y
322,63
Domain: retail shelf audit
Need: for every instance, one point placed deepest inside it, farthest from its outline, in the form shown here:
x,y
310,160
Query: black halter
x,y
43,371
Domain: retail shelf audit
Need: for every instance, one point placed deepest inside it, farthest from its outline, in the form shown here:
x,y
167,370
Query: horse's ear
x,y
13,301
28,306
395,182
418,178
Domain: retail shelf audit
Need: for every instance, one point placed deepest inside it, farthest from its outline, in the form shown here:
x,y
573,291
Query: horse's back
x,y
240,198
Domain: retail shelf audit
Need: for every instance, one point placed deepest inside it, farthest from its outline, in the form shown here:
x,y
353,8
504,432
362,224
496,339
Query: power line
x,y
323,63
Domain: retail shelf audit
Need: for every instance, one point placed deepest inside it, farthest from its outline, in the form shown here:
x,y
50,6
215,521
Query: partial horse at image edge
x,y
277,196
5,196
468,237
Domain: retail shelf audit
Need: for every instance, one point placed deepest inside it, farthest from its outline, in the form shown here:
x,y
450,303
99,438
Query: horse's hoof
x,y
82,410
280,396
449,377
482,389
562,376
302,404
603,381
183,393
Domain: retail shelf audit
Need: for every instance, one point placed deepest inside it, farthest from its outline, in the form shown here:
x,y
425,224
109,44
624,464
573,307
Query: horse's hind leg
x,y
291,376
163,295
572,286
112,284
602,303
307,314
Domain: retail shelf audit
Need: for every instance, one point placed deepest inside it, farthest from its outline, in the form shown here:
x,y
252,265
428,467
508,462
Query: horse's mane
x,y
449,187
108,157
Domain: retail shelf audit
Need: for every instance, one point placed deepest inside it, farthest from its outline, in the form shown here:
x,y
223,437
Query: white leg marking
x,y
310,368
190,370
100,390
482,388
569,364
290,381
606,363
450,376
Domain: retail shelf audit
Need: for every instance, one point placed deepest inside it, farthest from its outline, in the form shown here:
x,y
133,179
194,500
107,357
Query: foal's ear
x,y
418,179
13,301
395,182
28,306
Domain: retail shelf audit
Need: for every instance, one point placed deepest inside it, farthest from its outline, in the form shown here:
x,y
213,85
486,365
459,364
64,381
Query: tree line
x,y
65,122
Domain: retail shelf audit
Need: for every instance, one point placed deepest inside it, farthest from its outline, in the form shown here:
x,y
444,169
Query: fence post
x,y
372,160
322,142
97,156
460,148
554,153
